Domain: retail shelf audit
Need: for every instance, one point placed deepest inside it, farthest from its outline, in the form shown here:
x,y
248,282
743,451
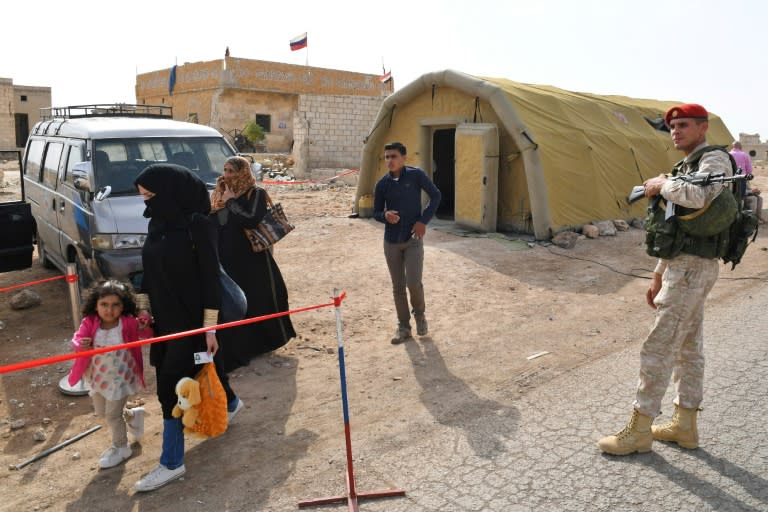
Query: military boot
x,y
681,430
635,437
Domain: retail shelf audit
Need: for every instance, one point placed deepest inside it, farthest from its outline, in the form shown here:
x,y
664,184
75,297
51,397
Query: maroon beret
x,y
689,110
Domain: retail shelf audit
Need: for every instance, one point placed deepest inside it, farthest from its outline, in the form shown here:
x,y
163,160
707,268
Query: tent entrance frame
x,y
477,209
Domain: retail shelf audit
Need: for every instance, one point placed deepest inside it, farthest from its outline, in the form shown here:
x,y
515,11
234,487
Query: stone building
x,y
320,116
750,144
19,111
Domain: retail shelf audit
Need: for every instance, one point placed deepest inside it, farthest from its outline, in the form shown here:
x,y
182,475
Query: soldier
x,y
679,287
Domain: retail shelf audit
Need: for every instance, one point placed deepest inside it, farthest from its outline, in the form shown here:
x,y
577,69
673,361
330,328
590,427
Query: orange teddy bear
x,y
202,404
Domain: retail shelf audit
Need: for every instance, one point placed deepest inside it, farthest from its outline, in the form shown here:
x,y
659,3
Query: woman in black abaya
x,y
237,203
181,279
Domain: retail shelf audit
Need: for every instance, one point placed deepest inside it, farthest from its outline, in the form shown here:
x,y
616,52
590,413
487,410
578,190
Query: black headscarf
x,y
179,195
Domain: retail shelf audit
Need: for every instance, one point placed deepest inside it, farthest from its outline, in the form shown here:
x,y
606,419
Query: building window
x,y
23,97
265,121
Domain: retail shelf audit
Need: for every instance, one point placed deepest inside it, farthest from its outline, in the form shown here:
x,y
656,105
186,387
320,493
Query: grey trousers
x,y
406,261
112,411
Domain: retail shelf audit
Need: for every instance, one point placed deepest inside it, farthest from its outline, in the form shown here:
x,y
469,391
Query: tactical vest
x,y
702,232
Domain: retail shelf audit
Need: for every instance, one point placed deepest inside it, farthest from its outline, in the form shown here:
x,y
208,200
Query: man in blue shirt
x,y
397,203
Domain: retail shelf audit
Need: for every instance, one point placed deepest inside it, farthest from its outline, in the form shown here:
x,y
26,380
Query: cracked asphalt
x,y
540,454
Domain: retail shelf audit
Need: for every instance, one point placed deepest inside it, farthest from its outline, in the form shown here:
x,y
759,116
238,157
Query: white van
x,y
79,167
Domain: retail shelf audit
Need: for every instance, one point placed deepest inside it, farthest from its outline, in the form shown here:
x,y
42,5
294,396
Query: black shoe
x,y
422,328
402,335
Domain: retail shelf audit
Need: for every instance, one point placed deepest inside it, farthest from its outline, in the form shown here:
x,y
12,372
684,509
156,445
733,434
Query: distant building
x,y
751,145
320,116
19,111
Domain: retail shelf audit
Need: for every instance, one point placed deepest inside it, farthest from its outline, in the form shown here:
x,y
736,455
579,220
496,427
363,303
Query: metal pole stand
x,y
82,387
352,495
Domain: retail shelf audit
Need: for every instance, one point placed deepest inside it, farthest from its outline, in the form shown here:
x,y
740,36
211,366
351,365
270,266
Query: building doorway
x,y
22,129
443,170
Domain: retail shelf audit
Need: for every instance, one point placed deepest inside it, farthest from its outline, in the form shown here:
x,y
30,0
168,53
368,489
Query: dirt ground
x,y
492,302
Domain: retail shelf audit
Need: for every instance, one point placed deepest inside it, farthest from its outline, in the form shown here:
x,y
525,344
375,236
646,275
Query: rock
x,y
39,435
590,231
17,424
565,239
638,223
620,225
76,456
25,299
606,227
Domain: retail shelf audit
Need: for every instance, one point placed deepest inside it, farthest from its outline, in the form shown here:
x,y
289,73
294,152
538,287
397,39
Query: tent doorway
x,y
443,170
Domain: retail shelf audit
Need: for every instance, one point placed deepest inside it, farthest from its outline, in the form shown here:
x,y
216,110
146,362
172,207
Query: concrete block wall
x,y
7,126
329,130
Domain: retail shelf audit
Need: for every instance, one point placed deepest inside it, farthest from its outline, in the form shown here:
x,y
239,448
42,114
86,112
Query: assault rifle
x,y
700,178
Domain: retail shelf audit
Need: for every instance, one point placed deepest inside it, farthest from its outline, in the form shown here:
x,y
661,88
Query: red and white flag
x,y
298,42
386,77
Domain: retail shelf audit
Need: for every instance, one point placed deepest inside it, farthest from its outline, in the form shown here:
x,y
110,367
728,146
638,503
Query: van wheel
x,y
42,254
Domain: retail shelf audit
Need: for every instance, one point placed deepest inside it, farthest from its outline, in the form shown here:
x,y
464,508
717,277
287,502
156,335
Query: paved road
x,y
540,455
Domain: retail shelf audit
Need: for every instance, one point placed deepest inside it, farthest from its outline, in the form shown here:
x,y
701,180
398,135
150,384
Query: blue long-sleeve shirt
x,y
404,196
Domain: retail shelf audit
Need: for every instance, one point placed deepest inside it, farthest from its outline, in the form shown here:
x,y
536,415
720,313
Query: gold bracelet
x,y
142,302
210,317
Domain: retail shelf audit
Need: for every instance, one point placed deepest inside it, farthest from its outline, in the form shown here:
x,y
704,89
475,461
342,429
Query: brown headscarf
x,y
241,182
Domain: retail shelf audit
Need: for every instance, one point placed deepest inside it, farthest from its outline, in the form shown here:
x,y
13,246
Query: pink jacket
x,y
88,327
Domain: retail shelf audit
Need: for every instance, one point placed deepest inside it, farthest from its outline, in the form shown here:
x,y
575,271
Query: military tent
x,y
526,158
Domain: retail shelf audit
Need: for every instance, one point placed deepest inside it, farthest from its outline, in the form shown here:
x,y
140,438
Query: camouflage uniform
x,y
674,347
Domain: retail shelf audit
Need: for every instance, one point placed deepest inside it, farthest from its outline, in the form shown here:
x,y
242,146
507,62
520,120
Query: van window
x,y
75,156
217,156
116,151
34,159
117,162
149,150
51,167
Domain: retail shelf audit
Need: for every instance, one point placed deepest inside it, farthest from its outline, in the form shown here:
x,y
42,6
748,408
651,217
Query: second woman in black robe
x,y
237,203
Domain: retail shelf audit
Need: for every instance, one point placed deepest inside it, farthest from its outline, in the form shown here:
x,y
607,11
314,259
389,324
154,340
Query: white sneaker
x,y
113,456
134,422
231,414
158,477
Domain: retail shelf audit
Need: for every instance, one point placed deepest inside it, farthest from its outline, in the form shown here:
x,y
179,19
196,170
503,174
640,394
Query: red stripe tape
x,y
9,288
86,353
274,182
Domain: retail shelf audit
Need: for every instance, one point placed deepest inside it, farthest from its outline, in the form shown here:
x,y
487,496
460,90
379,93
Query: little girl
x,y
108,319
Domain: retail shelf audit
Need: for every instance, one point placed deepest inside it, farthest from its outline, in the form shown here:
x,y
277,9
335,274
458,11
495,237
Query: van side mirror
x,y
82,176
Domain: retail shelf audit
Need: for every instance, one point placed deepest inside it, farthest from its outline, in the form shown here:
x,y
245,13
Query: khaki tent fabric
x,y
565,158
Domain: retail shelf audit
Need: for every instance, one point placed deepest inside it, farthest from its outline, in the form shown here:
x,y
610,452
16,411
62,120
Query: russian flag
x,y
299,42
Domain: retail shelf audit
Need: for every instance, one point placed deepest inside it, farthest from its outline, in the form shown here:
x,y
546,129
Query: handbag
x,y
273,227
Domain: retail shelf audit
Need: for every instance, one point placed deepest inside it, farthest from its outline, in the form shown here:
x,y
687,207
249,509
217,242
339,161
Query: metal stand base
x,y
352,495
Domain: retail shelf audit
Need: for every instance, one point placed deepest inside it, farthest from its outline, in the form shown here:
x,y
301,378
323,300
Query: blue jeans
x,y
172,455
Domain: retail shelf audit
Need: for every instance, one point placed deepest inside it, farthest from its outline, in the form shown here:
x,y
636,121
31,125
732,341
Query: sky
x,y
706,51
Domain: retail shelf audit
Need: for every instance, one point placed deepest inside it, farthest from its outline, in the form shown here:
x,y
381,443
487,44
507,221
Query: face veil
x,y
179,194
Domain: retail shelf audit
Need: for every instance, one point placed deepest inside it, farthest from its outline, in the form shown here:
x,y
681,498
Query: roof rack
x,y
106,110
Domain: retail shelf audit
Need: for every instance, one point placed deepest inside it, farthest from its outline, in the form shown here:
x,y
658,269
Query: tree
x,y
253,132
